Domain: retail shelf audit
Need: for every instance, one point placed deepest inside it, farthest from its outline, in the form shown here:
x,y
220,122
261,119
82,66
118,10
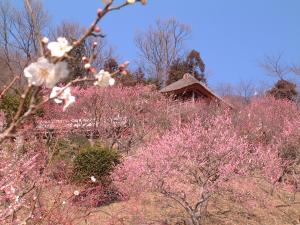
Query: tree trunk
x,y
193,221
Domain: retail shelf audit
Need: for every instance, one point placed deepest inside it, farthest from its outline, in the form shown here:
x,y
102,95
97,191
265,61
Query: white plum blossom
x,y
45,73
130,1
45,40
68,102
87,65
104,79
93,179
62,95
76,193
59,48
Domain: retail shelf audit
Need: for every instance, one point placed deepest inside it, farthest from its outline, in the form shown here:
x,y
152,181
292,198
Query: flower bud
x,y
87,66
93,70
124,72
100,12
45,40
97,29
95,44
126,63
121,67
105,2
84,59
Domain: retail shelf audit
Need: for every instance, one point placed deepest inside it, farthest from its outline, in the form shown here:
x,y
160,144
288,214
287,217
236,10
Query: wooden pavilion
x,y
189,88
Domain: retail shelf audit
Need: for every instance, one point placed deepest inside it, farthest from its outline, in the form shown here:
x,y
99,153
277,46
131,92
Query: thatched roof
x,y
189,82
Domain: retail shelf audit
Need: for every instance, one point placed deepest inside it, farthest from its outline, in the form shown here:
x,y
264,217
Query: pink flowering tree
x,y
264,119
122,117
273,126
194,161
189,164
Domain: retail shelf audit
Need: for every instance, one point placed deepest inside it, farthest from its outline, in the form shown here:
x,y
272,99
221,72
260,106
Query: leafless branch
x,y
160,45
274,66
9,86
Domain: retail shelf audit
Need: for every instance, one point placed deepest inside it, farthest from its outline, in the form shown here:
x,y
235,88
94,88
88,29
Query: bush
x,y
284,89
95,161
68,148
9,105
97,196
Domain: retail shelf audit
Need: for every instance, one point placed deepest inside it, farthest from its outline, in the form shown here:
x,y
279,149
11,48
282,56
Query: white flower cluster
x,y
104,79
48,74
59,48
62,95
44,73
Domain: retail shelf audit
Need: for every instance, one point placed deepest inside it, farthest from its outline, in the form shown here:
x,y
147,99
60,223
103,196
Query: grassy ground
x,y
223,209
154,209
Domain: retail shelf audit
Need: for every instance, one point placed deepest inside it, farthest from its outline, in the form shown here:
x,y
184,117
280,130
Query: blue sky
x,y
232,36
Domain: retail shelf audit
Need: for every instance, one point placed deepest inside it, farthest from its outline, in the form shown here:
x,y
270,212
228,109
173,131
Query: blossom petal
x,y
111,81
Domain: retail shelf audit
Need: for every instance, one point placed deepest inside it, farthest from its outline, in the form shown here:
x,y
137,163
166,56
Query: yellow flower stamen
x,y
44,72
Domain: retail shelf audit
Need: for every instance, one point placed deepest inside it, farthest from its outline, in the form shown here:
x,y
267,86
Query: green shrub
x,y
80,141
9,105
95,161
64,152
66,148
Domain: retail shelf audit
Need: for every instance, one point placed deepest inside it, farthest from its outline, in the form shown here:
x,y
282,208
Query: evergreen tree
x,y
284,89
111,65
193,64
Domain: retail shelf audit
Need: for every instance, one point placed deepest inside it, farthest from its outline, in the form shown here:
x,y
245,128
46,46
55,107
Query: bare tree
x,y
295,69
245,89
69,30
225,89
262,87
160,45
274,66
18,34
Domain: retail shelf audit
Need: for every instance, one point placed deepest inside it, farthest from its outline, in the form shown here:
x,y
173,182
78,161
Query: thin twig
x,y
9,86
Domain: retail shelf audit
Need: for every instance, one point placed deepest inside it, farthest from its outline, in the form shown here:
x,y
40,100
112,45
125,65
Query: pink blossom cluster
x,y
122,116
17,178
195,160
187,164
